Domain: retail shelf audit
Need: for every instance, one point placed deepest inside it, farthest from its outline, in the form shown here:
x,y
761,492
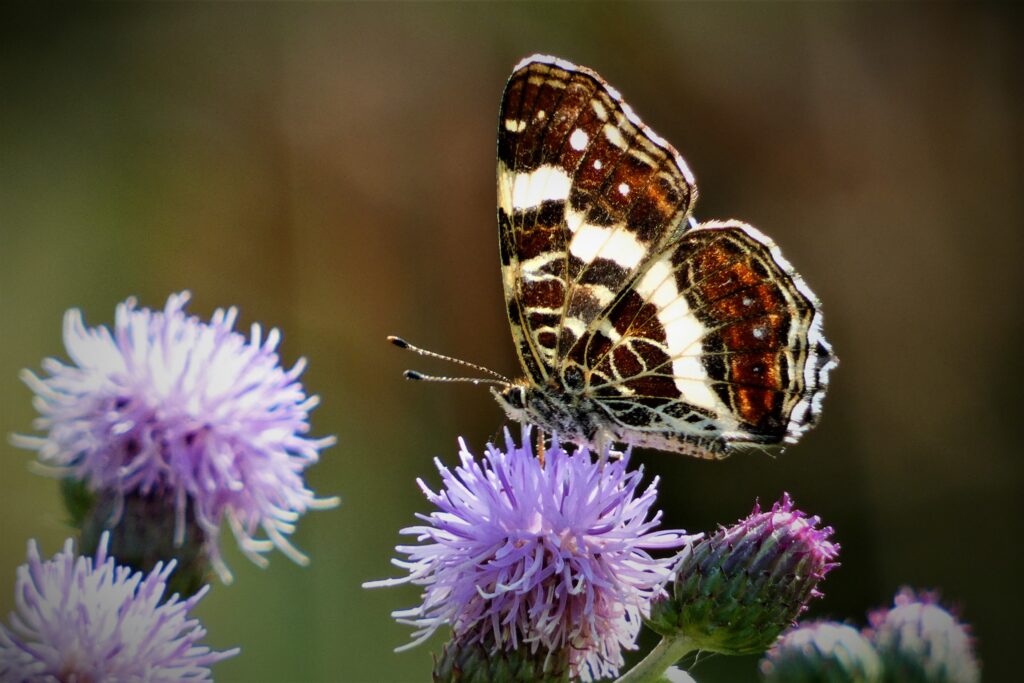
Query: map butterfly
x,y
634,323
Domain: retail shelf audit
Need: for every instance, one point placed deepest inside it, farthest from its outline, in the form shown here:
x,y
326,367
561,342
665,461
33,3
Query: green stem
x,y
666,653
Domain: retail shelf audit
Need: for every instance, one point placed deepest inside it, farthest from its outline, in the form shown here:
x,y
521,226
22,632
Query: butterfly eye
x,y
517,397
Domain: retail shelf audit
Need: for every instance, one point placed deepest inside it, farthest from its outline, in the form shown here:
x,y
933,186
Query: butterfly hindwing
x,y
587,194
710,343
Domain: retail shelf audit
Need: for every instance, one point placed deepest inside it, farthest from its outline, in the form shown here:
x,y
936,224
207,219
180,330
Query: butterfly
x,y
633,322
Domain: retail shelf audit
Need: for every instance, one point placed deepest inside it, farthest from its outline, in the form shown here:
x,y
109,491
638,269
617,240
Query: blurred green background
x,y
330,170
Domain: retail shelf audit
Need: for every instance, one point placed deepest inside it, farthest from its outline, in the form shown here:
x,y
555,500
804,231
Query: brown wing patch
x,y
543,294
756,320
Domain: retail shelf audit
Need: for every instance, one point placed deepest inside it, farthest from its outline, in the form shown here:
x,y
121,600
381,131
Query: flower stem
x,y
666,653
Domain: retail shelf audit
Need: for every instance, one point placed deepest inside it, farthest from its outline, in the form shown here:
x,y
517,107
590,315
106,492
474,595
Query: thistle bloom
x,y
737,590
551,557
190,412
920,642
822,651
80,619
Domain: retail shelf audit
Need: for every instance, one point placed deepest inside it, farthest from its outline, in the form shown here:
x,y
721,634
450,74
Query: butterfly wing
x,y
717,342
586,194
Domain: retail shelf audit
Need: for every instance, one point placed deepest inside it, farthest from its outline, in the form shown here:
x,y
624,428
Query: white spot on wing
x,y
599,109
614,243
614,135
546,183
574,325
603,294
598,164
504,188
607,329
574,220
579,139
530,266
643,158
623,189
515,125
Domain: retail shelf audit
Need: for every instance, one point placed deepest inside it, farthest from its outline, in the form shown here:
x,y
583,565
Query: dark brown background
x,y
330,169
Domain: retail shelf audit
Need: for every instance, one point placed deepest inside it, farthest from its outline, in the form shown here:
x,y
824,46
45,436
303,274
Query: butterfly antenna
x,y
412,374
420,377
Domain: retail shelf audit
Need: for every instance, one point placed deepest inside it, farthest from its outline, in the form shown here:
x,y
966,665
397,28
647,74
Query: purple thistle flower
x,y
80,619
167,405
920,642
551,557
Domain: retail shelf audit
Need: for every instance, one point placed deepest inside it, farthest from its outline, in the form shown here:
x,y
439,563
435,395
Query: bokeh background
x,y
330,170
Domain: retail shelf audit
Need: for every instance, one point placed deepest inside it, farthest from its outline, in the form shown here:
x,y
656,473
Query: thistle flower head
x,y
85,619
822,651
920,642
550,556
737,590
167,405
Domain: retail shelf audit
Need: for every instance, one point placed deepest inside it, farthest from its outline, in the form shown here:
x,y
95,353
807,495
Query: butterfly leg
x,y
603,443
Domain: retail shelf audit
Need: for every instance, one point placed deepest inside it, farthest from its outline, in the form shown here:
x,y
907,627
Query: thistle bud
x,y
920,642
738,589
822,651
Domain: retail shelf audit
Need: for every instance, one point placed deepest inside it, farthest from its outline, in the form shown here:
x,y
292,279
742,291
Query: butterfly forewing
x,y
586,194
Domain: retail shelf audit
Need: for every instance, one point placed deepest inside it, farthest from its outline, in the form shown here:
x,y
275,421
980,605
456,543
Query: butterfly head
x,y
513,400
553,411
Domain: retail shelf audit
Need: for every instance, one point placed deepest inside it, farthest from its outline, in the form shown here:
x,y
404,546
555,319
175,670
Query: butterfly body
x,y
579,419
632,322
574,417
